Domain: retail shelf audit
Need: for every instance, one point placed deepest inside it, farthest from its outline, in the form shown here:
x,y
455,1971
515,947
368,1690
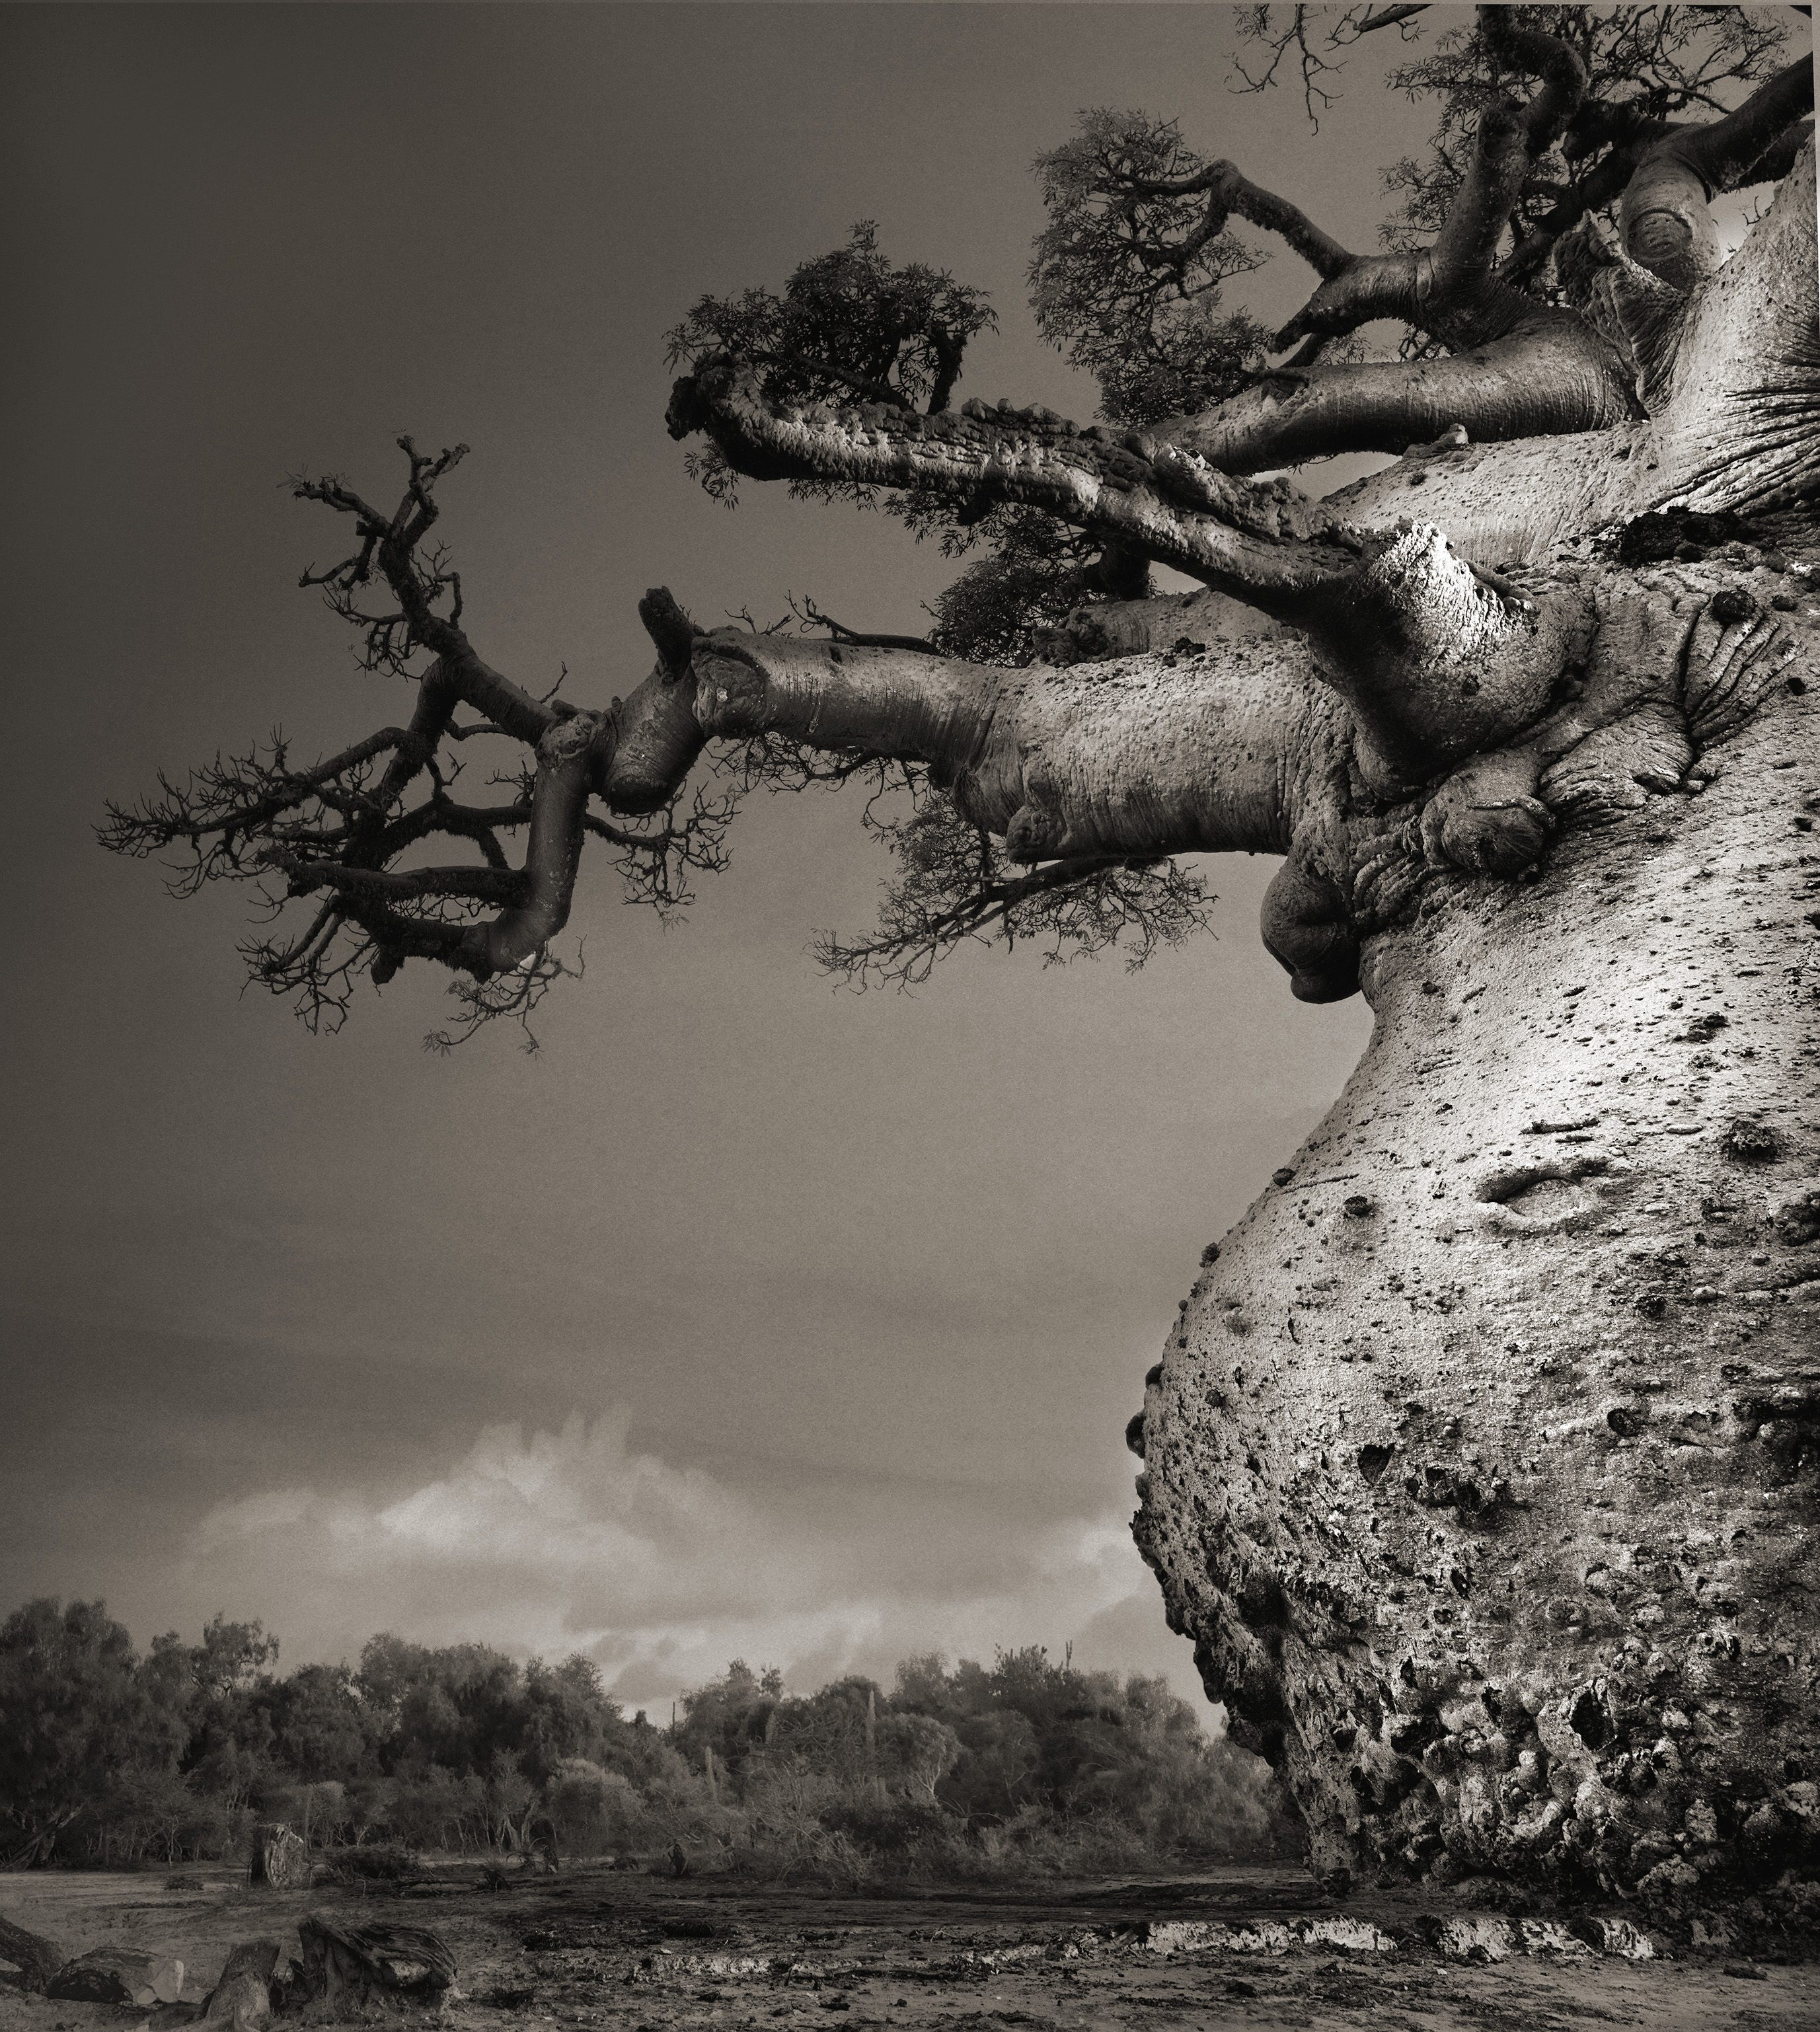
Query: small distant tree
x,y
320,1730
730,1718
230,1753
566,1715
594,1811
916,1752
511,1799
144,1813
834,1730
369,1806
432,1808
231,1659
460,1705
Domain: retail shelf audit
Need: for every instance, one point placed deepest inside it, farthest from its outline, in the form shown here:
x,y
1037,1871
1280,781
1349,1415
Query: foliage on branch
x,y
954,884
847,325
1035,570
1127,277
847,322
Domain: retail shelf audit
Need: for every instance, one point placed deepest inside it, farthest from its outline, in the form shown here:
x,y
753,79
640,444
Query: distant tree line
x,y
112,1756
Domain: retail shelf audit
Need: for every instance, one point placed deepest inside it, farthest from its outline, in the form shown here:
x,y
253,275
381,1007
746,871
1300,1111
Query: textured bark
x,y
1481,1469
1264,543
1202,752
1738,426
278,1857
1665,217
1735,427
1433,661
347,1968
1551,376
36,1957
118,1975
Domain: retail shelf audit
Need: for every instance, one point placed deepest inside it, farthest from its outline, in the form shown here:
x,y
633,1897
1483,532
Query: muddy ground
x,y
637,1953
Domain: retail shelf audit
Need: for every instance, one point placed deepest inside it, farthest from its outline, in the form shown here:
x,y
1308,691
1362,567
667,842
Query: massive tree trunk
x,y
1483,1468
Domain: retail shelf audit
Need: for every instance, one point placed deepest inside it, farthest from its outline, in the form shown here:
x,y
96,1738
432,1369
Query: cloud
x,y
573,1541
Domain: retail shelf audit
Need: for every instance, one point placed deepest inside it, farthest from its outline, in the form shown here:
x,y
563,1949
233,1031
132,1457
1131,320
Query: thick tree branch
x,y
1510,139
1448,289
1557,62
1779,157
1388,17
1738,426
1556,377
1432,660
1228,192
385,885
568,756
1199,752
441,815
1229,533
1518,368
657,739
1602,186
1665,215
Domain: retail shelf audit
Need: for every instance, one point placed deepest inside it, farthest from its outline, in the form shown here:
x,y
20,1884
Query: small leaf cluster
x,y
847,323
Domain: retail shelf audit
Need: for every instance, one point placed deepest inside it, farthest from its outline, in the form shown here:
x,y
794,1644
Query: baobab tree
x,y
1481,1465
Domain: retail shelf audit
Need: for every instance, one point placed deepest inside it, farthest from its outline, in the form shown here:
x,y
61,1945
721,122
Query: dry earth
x,y
637,1953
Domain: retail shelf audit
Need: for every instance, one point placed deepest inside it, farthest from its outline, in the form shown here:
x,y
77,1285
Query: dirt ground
x,y
637,1953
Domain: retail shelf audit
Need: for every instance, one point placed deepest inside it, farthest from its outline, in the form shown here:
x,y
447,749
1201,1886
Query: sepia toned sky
x,y
752,1317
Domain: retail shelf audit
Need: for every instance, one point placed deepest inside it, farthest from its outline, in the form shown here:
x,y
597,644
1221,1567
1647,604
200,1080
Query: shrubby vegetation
x,y
110,1756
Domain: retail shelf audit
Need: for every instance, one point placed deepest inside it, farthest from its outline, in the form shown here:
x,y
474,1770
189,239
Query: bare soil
x,y
637,1953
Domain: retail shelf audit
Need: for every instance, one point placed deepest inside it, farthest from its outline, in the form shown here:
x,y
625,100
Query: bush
x,y
595,1812
895,1827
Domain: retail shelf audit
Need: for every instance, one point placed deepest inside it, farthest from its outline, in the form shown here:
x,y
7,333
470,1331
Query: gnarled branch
x,y
1665,214
1172,509
1556,377
1432,660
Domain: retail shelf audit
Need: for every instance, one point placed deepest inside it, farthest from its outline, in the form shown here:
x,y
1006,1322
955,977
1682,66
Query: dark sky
x,y
753,1317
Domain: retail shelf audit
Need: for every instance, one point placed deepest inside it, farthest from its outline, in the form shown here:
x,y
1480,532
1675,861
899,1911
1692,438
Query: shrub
x,y
894,1827
595,1812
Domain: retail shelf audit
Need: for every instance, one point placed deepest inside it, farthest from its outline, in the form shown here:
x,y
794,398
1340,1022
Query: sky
x,y
752,1317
